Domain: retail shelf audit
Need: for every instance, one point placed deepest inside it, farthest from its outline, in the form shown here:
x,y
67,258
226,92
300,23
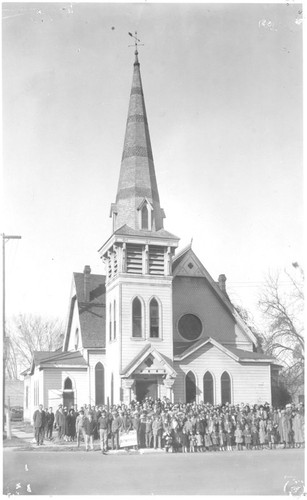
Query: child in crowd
x,y
229,440
215,440
208,442
199,441
239,437
270,434
192,442
247,437
222,439
255,437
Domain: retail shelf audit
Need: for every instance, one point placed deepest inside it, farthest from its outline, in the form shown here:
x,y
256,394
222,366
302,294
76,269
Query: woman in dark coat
x,y
71,425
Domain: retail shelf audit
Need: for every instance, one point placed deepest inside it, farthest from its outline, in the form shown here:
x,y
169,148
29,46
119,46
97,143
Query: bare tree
x,y
250,322
283,310
28,333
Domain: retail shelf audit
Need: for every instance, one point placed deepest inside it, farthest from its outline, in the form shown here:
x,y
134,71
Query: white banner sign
x,y
128,439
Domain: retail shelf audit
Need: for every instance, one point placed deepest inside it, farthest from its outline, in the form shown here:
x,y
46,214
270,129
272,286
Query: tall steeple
x,y
137,201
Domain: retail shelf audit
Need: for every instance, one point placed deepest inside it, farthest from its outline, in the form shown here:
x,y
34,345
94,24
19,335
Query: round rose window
x,y
190,327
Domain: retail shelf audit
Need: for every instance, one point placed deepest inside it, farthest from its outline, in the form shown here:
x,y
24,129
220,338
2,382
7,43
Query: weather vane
x,y
136,40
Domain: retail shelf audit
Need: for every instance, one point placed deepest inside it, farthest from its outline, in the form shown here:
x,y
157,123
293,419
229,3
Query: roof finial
x,y
136,40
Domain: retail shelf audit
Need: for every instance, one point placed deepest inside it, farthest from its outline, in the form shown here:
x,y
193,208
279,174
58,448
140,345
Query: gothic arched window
x,y
76,338
67,384
112,389
110,323
114,320
225,388
154,318
99,384
208,388
137,330
145,217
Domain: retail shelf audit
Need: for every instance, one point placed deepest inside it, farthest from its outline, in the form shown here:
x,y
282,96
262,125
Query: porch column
x,y
168,383
127,385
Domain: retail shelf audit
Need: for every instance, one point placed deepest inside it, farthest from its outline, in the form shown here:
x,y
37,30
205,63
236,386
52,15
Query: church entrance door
x,y
68,399
190,388
145,388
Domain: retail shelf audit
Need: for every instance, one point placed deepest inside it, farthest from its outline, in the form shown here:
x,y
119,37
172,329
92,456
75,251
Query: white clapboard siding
x,y
54,381
250,383
113,346
195,296
36,393
75,324
145,291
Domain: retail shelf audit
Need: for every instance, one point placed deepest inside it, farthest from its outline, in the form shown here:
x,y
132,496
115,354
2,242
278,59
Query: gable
x,y
193,295
195,289
148,361
188,266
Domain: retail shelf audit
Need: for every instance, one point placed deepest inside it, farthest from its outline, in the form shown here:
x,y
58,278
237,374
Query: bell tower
x,y
138,258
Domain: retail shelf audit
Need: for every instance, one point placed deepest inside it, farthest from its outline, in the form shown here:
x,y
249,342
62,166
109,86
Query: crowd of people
x,y
175,427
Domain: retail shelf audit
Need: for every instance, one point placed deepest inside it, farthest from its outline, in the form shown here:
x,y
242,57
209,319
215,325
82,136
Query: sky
x,y
223,93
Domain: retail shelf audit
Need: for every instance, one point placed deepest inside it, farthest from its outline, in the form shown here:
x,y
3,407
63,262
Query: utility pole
x,y
5,239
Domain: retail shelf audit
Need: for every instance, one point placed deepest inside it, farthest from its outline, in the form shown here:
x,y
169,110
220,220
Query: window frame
x,y
159,317
139,317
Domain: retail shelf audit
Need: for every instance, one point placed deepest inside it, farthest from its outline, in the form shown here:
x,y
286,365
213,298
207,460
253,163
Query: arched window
x,y
114,320
208,388
225,388
110,323
190,387
99,384
154,318
112,389
145,217
137,318
67,384
76,338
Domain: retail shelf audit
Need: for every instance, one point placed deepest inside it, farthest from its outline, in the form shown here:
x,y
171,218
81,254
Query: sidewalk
x,y
23,440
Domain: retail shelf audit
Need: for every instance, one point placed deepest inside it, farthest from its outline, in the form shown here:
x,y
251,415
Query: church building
x,y
156,323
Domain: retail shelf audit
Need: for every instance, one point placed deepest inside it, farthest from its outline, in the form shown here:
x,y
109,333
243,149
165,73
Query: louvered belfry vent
x,y
115,264
134,259
156,260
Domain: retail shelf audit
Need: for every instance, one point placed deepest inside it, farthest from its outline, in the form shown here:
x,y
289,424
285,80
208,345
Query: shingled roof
x,y
92,313
56,358
184,349
126,230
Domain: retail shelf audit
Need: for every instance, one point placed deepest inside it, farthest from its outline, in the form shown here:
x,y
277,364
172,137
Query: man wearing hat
x,y
59,421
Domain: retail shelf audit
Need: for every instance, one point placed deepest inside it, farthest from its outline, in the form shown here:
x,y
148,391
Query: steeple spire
x,y
137,201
